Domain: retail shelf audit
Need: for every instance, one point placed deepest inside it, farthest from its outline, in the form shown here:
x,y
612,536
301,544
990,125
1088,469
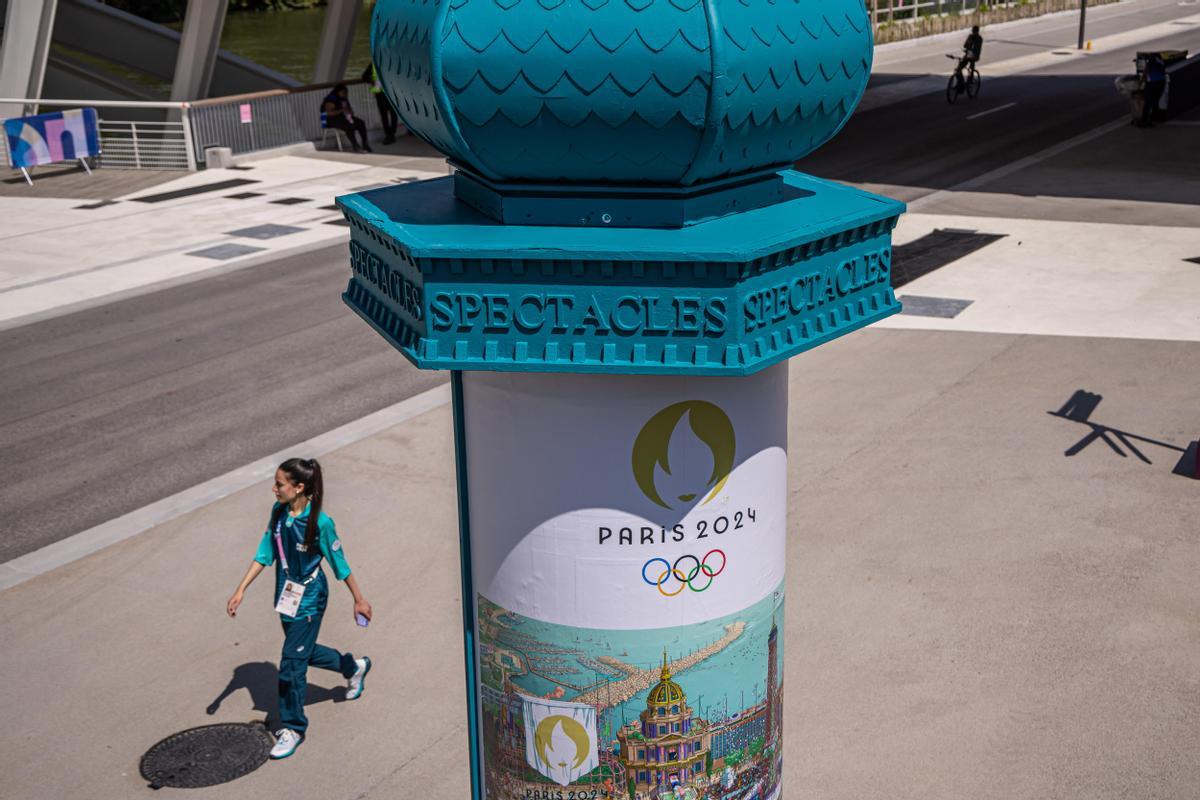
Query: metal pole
x,y
468,584
188,145
1082,20
137,155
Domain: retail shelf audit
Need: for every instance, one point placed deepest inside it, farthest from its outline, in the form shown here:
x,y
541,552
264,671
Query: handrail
x,y
209,101
216,101
46,101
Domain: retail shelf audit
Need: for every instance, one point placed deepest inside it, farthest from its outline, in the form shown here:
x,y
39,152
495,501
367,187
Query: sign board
x,y
53,137
245,113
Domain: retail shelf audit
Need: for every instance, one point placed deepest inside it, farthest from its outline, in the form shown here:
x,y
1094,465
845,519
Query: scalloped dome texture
x,y
622,91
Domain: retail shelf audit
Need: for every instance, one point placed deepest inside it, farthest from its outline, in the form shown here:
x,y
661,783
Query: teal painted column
x,y
616,274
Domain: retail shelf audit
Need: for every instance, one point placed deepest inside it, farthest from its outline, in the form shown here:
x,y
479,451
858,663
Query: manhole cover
x,y
206,756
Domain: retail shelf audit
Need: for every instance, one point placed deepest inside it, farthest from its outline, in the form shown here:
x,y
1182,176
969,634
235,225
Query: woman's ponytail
x,y
316,494
308,472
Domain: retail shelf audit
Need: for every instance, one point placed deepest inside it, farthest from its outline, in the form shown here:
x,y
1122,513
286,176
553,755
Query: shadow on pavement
x,y
261,680
1189,463
934,251
1080,407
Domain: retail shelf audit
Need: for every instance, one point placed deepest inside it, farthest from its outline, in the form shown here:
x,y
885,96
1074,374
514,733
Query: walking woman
x,y
298,537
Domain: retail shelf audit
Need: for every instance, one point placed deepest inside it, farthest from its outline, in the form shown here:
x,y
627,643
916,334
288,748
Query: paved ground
x,y
189,382
71,181
61,253
1124,175
972,613
987,600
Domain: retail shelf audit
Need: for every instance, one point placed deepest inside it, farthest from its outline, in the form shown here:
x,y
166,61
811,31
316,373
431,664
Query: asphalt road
x,y
107,410
1049,33
924,144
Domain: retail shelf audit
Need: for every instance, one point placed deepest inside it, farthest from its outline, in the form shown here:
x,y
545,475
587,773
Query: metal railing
x,y
276,118
144,145
885,11
177,137
164,143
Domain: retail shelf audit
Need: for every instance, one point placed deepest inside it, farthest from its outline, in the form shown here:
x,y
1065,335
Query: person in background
x,y
972,50
298,538
387,114
1155,83
339,114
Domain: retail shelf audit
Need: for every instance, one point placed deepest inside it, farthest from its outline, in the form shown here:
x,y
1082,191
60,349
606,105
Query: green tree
x,y
708,763
174,10
756,745
632,788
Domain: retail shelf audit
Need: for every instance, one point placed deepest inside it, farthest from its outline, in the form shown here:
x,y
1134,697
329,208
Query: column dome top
x,y
622,92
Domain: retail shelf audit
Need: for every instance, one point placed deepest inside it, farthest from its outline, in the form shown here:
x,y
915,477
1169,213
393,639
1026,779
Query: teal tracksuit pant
x,y
300,650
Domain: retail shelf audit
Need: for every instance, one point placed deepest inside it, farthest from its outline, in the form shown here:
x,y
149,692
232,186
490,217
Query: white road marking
x,y
991,111
65,551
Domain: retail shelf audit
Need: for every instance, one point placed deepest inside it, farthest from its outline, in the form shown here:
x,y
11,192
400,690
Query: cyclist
x,y
972,50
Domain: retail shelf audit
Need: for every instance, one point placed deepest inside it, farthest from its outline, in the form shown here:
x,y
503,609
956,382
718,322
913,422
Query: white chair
x,y
338,133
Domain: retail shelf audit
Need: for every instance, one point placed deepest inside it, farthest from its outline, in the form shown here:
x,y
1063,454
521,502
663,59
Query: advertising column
x,y
615,272
628,538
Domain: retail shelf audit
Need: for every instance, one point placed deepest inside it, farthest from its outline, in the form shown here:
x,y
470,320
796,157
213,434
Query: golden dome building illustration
x,y
668,745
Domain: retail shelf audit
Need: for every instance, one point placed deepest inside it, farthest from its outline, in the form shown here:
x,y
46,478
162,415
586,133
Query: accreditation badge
x,y
289,598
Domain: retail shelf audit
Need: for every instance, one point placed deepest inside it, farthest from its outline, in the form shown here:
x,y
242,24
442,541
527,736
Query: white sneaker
x,y
286,742
354,686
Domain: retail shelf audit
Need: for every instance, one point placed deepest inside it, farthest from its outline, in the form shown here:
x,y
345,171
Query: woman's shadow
x,y
261,679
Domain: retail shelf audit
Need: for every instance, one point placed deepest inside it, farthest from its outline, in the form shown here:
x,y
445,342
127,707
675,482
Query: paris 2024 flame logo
x,y
711,426
562,743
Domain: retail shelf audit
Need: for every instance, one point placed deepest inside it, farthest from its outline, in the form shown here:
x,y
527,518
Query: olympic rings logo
x,y
673,573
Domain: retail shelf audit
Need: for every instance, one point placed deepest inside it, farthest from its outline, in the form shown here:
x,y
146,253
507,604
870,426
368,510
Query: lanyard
x,y
283,562
279,543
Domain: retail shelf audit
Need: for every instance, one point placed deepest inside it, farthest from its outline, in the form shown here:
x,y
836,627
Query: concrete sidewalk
x,y
65,253
972,614
986,600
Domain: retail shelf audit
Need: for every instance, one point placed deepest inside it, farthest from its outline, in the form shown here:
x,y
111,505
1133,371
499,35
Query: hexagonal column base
x,y
452,288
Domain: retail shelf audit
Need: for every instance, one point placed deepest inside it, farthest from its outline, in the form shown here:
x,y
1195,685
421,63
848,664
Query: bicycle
x,y
970,83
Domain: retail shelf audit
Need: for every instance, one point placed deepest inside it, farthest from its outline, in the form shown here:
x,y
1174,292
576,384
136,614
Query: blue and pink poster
x,y
48,138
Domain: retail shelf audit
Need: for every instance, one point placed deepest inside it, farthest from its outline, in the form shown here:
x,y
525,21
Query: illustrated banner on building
x,y
560,738
49,138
